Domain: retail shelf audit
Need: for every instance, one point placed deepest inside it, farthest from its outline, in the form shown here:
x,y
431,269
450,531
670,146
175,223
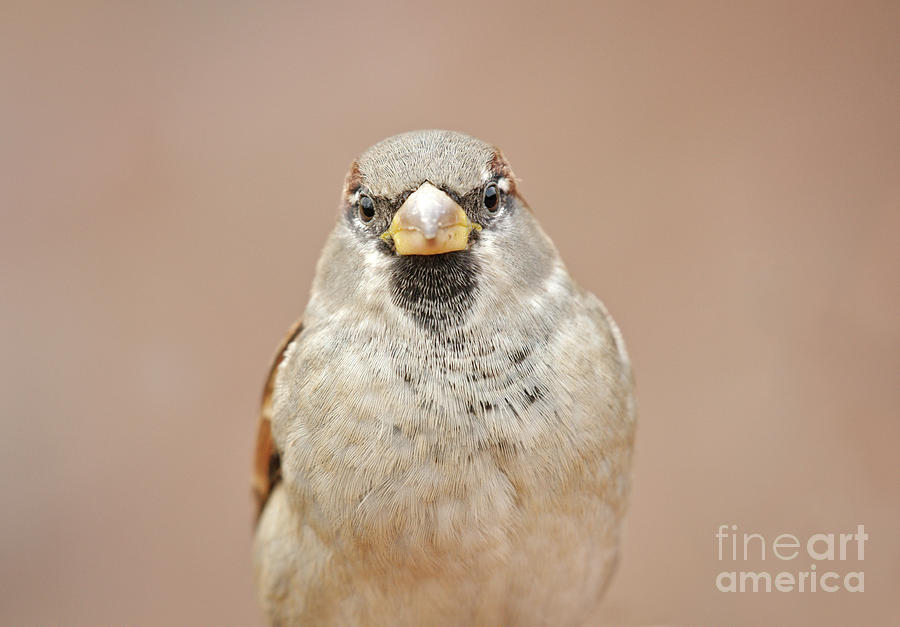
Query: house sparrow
x,y
446,437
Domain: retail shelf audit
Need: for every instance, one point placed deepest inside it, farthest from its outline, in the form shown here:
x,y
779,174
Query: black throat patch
x,y
436,290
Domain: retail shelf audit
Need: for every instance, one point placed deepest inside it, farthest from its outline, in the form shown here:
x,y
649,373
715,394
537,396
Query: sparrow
x,y
445,438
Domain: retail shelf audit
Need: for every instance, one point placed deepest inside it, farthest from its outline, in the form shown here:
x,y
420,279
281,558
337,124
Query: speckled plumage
x,y
454,431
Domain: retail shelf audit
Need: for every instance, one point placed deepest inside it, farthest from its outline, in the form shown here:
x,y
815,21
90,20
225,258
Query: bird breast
x,y
398,435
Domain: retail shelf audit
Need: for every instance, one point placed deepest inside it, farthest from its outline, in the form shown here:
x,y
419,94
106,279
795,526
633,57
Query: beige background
x,y
726,178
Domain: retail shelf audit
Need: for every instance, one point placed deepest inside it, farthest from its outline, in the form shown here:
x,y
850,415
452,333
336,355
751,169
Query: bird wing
x,y
267,462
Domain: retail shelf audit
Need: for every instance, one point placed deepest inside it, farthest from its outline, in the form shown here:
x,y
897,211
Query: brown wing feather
x,y
267,463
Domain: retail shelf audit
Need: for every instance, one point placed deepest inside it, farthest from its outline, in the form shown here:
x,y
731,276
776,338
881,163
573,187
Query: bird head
x,y
429,192
432,218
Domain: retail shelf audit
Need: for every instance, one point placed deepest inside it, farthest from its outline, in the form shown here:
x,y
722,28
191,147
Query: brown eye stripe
x,y
354,179
500,166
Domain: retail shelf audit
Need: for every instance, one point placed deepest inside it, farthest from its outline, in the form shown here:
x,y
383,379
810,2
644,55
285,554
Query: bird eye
x,y
491,198
366,208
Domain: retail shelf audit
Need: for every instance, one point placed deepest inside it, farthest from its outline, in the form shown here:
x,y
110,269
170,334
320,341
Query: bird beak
x,y
429,222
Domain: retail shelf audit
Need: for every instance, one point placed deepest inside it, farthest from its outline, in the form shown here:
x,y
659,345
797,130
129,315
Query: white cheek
x,y
376,266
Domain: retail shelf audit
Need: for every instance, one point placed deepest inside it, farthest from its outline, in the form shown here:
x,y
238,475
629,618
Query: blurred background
x,y
725,176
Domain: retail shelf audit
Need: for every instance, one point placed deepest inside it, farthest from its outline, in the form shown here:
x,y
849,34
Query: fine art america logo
x,y
826,552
